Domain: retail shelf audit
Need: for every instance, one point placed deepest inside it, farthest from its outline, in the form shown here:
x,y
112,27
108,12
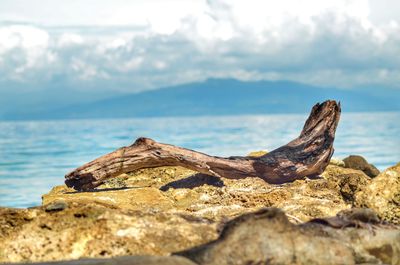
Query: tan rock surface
x,y
125,260
176,189
160,211
93,230
383,195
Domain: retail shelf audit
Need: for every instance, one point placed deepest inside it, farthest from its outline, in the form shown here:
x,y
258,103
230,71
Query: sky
x,y
130,46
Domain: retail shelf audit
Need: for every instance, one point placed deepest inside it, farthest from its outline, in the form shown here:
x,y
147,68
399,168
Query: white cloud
x,y
22,36
144,44
23,49
70,39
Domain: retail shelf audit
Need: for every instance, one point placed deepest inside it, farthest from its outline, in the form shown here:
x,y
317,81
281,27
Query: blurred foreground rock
x,y
267,237
127,260
167,210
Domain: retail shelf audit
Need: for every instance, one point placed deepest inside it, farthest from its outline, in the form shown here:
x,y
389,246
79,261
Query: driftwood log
x,y
307,155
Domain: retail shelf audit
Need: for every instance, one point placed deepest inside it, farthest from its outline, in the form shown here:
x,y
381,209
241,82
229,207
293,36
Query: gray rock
x,y
55,206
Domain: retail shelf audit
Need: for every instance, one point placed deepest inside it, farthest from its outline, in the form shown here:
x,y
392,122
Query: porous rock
x,y
126,260
175,189
160,211
383,195
90,229
346,181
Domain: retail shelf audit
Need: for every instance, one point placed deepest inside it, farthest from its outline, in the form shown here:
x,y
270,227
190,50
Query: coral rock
x,y
383,195
160,211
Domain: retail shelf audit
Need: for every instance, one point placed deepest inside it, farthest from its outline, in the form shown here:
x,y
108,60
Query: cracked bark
x,y
307,155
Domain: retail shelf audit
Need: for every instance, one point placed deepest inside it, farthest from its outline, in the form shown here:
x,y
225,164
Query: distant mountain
x,y
222,97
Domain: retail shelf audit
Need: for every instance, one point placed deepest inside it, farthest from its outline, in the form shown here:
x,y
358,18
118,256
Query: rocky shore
x,y
170,215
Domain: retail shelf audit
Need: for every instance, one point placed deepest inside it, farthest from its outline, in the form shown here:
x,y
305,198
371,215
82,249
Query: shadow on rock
x,y
103,189
193,181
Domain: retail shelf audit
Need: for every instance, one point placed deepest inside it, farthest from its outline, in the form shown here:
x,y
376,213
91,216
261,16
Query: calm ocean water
x,y
35,155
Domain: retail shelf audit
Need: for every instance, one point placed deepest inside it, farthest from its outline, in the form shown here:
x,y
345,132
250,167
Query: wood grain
x,y
307,155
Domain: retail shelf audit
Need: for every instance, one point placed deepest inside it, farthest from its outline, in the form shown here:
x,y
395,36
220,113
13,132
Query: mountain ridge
x,y
220,97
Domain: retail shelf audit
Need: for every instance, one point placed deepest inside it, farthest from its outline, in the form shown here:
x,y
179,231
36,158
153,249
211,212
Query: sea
x,y
35,155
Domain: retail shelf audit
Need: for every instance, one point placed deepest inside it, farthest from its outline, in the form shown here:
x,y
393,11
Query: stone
x,y
337,162
90,229
179,189
359,163
267,237
160,211
347,181
126,260
57,205
354,217
382,194
128,198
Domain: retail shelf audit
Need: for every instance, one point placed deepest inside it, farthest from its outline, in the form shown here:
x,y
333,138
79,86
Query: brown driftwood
x,y
307,155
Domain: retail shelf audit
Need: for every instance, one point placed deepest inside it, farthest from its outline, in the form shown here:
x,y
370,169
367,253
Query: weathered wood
x,y
307,155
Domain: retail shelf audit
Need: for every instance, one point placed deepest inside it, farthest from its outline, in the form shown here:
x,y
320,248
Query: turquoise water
x,y
35,155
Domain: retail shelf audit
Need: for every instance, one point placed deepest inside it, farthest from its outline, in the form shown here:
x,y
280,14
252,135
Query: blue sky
x,y
128,46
